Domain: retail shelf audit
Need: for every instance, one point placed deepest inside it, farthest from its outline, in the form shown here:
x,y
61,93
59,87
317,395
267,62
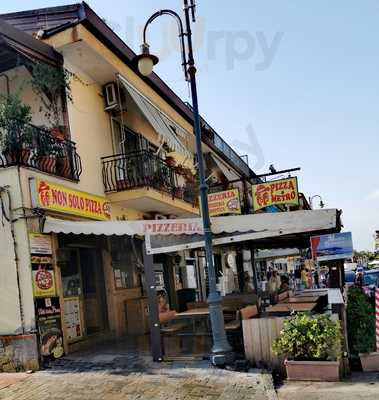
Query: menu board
x,y
40,243
72,318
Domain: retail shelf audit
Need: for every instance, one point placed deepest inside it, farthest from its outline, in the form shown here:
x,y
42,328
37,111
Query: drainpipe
x,y
11,221
7,82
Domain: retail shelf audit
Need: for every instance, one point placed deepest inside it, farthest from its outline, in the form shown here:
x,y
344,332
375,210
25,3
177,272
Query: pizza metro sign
x,y
283,191
54,197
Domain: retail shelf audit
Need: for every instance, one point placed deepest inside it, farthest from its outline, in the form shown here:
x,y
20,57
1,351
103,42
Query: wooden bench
x,y
245,313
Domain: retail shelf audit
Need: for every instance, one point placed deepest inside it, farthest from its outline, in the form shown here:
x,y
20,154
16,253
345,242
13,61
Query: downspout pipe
x,y
11,220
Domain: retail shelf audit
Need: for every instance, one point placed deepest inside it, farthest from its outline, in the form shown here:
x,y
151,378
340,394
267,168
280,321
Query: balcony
x,y
32,147
133,172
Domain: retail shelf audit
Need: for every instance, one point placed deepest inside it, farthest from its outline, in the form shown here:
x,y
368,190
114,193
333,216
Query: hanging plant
x,y
51,84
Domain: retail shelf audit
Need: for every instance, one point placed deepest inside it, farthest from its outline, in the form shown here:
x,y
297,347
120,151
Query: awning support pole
x,y
155,329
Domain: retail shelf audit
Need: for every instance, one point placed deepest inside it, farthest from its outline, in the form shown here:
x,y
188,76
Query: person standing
x,y
274,286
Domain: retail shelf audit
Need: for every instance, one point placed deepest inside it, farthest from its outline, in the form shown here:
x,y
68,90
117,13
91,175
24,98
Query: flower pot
x,y
11,158
57,133
312,370
25,154
170,161
47,164
63,167
370,362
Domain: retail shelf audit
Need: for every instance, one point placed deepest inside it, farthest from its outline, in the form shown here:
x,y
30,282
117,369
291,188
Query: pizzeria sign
x,y
225,202
278,192
54,197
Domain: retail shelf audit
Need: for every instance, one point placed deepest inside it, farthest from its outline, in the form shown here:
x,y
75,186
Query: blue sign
x,y
332,247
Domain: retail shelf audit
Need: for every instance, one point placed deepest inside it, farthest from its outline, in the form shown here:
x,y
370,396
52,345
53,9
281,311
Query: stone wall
x,y
18,353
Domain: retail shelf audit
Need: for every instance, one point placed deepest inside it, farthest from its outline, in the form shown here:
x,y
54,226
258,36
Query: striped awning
x,y
164,126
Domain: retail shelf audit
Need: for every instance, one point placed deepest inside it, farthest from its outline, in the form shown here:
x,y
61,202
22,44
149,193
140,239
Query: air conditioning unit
x,y
111,96
160,216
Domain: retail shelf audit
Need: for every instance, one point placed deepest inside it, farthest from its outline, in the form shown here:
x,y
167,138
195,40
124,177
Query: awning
x,y
179,234
164,126
228,173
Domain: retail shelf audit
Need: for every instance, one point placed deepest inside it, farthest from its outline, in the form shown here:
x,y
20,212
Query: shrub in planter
x,y
361,329
311,346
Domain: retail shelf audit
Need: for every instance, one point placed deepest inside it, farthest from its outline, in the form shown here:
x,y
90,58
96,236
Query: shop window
x,y
127,262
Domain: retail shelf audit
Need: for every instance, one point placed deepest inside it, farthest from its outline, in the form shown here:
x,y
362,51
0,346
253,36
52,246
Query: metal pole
x,y
222,352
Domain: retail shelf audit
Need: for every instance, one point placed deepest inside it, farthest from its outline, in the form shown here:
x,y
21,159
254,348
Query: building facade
x,y
96,141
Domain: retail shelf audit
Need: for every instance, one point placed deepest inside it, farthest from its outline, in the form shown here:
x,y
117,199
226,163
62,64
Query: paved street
x,y
360,386
131,377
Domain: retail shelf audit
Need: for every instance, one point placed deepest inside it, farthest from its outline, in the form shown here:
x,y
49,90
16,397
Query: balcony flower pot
x,y
370,362
170,161
58,133
63,167
47,164
327,371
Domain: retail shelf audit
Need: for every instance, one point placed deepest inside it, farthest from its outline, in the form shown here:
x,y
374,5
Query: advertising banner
x,y
336,246
43,281
54,197
40,243
283,191
226,202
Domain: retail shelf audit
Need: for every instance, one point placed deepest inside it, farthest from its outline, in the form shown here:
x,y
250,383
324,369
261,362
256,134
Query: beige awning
x,y
229,174
169,130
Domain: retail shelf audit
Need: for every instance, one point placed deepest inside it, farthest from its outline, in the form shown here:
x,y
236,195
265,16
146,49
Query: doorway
x,y
84,294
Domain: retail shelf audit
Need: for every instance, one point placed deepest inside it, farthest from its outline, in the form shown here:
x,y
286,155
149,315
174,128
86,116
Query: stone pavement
x,y
359,386
111,376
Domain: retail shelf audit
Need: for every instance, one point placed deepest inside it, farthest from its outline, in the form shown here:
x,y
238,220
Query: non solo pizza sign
x,y
54,197
283,191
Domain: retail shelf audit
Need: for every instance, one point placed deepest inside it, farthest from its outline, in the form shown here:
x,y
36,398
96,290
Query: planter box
x,y
312,370
370,362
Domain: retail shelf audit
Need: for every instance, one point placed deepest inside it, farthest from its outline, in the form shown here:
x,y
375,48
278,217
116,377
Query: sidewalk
x,y
359,386
120,378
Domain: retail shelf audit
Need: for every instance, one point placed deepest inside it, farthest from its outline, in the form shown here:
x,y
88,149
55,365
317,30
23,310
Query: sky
x,y
290,83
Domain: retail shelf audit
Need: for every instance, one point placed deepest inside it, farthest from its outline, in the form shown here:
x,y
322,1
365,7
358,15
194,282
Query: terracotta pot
x,y
25,154
64,167
170,161
57,133
327,371
47,164
11,157
370,362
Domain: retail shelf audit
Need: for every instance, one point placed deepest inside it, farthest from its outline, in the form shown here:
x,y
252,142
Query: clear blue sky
x,y
314,106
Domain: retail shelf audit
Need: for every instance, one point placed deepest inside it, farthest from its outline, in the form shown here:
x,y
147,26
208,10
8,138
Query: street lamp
x,y
321,204
222,352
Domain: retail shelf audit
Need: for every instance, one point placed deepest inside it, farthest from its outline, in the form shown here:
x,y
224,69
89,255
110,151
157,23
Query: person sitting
x,y
284,284
274,286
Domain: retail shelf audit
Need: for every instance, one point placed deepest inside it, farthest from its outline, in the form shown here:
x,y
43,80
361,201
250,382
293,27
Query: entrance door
x,y
94,300
84,293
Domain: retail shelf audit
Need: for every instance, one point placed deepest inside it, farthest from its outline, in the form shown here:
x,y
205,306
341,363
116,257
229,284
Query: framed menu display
x,y
72,318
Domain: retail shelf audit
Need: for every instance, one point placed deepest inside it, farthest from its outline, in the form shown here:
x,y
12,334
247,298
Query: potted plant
x,y
15,134
361,329
63,160
51,84
47,154
311,346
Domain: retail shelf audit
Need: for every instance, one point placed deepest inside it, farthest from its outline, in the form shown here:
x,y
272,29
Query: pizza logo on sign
x,y
44,279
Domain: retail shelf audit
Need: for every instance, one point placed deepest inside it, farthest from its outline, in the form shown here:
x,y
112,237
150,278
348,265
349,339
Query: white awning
x,y
163,125
229,174
265,224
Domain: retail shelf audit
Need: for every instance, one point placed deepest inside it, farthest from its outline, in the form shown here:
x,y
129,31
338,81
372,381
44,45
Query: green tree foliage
x,y
360,322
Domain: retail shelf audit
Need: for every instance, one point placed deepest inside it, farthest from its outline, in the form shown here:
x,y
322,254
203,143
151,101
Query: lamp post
x,y
222,352
322,204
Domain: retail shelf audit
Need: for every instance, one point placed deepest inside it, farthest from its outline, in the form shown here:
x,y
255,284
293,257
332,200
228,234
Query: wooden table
x,y
288,307
193,313
301,299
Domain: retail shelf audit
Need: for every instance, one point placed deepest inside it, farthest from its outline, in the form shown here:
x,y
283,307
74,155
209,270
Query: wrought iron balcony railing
x,y
144,169
30,146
